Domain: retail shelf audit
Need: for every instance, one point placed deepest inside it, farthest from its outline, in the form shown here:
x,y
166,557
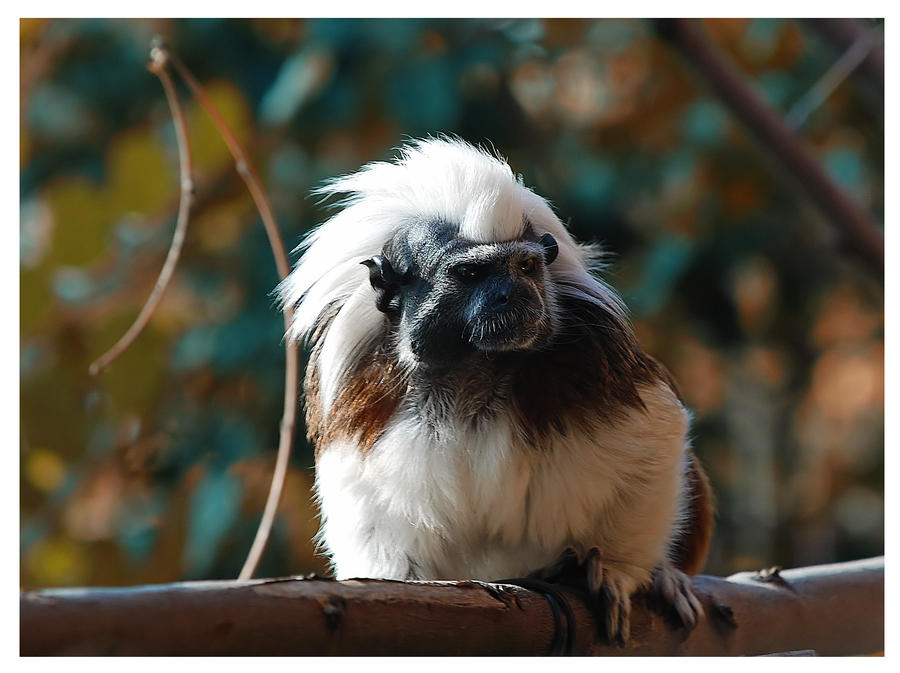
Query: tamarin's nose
x,y
502,295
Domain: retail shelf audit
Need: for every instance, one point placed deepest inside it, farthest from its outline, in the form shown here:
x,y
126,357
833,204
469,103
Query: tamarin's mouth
x,y
506,331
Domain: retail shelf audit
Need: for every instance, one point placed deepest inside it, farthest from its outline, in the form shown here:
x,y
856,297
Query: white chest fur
x,y
479,503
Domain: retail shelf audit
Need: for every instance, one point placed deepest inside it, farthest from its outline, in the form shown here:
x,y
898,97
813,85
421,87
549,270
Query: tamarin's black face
x,y
449,297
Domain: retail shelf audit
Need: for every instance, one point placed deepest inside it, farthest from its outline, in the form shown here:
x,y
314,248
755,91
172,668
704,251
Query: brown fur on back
x,y
691,547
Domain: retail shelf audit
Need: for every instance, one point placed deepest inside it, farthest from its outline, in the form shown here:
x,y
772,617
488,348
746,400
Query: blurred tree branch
x,y
771,131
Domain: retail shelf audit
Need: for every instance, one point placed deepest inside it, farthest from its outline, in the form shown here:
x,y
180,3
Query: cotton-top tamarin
x,y
479,403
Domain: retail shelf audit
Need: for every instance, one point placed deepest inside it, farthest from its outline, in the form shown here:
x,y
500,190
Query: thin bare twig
x,y
242,164
840,33
288,421
851,59
157,66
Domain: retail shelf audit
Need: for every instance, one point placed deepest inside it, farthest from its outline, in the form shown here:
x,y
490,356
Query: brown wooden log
x,y
833,610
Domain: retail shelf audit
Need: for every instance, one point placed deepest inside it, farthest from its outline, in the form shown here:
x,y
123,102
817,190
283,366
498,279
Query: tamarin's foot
x,y
672,594
609,586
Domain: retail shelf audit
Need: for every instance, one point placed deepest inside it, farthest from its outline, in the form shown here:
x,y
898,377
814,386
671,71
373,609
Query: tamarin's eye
x,y
467,271
528,265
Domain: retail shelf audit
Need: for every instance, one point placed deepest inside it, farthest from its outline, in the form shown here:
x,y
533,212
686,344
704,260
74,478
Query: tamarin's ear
x,y
384,281
381,273
551,248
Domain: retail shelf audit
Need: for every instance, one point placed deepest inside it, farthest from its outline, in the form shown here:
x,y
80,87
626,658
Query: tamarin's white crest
x,y
479,404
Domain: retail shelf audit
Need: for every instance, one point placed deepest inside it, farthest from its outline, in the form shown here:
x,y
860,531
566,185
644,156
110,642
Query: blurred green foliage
x,y
157,469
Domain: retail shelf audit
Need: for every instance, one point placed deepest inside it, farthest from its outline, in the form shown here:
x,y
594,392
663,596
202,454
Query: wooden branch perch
x,y
831,609
773,134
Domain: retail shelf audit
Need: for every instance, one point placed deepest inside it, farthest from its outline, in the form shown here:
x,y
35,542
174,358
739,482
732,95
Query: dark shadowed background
x,y
157,469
